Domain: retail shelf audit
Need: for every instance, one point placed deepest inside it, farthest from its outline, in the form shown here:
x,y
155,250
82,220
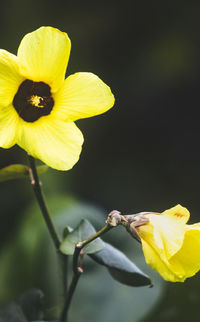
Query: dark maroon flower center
x,y
33,100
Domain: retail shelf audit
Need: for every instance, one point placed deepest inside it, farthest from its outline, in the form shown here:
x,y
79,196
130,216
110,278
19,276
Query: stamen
x,y
33,100
36,101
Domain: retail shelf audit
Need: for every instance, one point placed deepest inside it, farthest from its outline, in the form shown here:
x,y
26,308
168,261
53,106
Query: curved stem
x,y
80,245
50,225
39,196
78,270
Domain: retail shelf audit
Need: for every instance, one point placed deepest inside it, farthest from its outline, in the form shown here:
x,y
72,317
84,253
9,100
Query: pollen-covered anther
x,y
36,101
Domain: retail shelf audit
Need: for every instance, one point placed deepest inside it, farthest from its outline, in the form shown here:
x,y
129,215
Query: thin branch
x,y
70,293
80,245
78,269
39,196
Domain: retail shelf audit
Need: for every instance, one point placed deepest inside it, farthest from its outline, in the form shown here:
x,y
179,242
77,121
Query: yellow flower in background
x,y
38,106
170,246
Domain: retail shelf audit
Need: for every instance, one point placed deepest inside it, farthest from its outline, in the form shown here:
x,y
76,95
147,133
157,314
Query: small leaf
x,y
82,232
14,171
120,267
67,230
18,171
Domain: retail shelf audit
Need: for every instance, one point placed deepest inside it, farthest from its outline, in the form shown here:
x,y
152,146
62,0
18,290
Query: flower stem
x,y
70,294
80,245
78,270
50,225
39,196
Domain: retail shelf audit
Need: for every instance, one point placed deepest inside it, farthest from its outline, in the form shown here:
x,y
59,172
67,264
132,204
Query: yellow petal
x,y
189,255
9,121
56,143
82,95
165,231
44,54
10,79
154,260
170,246
178,213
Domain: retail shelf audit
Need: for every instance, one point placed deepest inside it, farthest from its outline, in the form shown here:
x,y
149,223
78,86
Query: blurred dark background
x,y
144,153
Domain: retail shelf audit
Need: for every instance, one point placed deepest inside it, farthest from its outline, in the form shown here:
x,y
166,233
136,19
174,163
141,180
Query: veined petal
x,y
82,95
9,121
56,143
165,231
177,213
154,260
189,255
10,78
44,54
170,246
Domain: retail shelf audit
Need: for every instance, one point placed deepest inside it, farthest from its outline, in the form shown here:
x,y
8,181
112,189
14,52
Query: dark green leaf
x,y
28,307
31,303
120,267
18,171
12,313
82,232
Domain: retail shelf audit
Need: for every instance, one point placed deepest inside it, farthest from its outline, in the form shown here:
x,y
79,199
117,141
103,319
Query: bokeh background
x,y
141,155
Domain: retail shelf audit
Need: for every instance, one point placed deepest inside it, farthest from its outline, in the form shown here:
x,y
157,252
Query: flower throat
x,y
33,100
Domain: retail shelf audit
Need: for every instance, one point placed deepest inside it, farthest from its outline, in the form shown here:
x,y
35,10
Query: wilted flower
x,y
170,246
38,106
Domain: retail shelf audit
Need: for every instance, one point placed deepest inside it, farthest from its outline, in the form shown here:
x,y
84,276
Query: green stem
x,y
65,274
79,270
70,295
80,245
50,225
39,196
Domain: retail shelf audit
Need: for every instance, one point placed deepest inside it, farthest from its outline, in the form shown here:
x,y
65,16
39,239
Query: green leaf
x,y
14,171
28,307
18,171
82,232
12,313
120,267
67,230
31,303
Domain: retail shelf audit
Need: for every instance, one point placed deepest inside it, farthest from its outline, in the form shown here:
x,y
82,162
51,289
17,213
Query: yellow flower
x,y
170,246
38,106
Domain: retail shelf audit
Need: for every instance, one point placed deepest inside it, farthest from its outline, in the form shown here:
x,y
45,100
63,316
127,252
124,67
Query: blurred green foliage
x,y
39,267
